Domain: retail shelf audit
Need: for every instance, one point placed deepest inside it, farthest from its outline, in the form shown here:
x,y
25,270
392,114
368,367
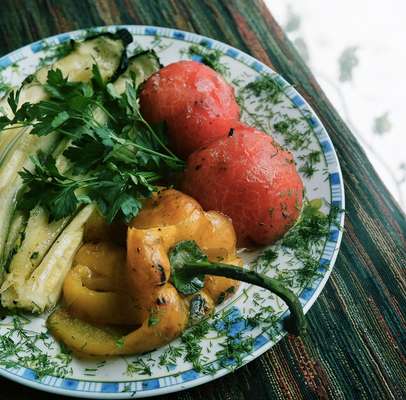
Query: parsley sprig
x,y
114,155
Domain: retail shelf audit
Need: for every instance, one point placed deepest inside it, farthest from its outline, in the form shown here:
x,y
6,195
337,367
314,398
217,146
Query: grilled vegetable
x,y
39,238
140,66
16,145
22,266
157,253
85,339
40,289
166,219
196,103
250,178
96,288
162,311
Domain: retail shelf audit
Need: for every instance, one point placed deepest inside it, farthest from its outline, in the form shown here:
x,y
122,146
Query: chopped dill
x,y
293,137
20,347
158,45
307,169
138,367
170,356
303,241
153,318
234,350
209,57
311,228
266,315
265,261
267,87
192,346
310,161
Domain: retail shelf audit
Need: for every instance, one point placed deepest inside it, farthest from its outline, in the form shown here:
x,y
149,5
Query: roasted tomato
x,y
196,103
250,178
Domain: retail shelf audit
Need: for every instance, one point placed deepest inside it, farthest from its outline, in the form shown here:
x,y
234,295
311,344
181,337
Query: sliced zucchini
x,y
36,275
39,237
15,237
36,289
18,156
141,66
109,52
11,183
8,139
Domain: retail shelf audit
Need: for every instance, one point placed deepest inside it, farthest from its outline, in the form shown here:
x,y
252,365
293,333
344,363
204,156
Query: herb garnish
x,y
20,347
209,57
138,367
266,86
234,351
170,356
191,340
310,161
115,155
302,241
153,318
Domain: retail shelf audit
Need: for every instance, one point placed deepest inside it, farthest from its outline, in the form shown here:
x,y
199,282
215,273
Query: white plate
x,y
112,379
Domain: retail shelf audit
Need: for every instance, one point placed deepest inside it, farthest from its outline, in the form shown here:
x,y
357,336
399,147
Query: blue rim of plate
x,y
263,342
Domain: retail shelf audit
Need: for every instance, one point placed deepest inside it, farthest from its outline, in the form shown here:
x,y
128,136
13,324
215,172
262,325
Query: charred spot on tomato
x,y
198,167
284,210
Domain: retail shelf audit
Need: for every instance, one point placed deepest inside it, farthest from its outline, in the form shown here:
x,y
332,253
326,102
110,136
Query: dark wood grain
x,y
355,348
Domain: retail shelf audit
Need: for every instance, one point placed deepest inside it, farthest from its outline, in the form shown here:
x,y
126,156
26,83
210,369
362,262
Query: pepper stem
x,y
296,322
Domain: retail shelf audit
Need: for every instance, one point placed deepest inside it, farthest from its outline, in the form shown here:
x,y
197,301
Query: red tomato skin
x,y
195,102
197,127
251,179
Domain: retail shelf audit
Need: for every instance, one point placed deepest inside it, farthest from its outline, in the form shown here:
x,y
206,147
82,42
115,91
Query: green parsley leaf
x,y
114,155
60,118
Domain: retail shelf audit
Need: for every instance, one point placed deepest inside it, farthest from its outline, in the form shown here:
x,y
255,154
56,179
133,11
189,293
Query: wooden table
x,y
355,348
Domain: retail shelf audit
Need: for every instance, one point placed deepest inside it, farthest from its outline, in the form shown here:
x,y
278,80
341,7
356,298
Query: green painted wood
x,y
355,348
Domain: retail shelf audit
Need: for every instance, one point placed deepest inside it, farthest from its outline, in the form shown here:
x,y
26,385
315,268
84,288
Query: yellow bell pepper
x,y
94,289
